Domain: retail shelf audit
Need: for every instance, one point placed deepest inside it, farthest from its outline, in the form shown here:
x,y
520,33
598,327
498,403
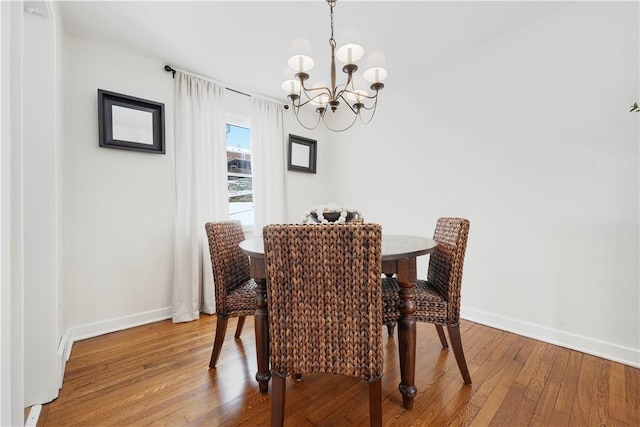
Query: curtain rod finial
x,y
168,68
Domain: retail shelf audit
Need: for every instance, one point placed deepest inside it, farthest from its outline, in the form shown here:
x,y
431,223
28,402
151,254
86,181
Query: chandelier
x,y
330,98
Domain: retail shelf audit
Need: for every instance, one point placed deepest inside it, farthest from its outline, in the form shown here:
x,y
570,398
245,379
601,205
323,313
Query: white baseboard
x,y
112,325
34,414
64,351
609,351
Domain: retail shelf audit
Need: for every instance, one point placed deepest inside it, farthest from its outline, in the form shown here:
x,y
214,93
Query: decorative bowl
x,y
332,216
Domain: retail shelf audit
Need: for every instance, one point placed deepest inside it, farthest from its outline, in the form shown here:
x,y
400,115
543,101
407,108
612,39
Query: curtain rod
x,y
170,69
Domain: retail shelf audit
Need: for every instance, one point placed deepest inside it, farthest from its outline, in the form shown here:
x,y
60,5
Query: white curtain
x,y
201,190
268,154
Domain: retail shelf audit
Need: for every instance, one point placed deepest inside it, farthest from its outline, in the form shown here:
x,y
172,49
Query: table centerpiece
x,y
331,213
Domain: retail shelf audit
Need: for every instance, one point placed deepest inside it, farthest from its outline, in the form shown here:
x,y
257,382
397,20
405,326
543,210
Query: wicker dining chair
x,y
235,289
325,306
438,297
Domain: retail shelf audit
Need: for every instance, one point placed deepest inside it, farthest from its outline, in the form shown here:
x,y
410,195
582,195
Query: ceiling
x,y
246,44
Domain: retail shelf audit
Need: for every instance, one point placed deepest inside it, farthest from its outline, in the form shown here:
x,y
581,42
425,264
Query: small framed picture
x,y
302,154
130,123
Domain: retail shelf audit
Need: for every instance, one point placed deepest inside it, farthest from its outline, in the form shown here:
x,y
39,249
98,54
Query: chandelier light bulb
x,y
375,75
357,96
350,53
291,86
300,63
320,100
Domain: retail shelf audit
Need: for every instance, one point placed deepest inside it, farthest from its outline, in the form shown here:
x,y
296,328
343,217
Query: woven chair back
x,y
445,265
324,296
230,266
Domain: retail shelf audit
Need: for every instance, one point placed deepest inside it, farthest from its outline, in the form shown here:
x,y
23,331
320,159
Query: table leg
x,y
407,330
261,323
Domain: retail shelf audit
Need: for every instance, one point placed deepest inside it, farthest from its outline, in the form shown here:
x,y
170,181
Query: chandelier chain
x,y
332,41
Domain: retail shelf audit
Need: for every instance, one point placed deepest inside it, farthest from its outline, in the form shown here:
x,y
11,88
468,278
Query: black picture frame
x,y
129,123
302,154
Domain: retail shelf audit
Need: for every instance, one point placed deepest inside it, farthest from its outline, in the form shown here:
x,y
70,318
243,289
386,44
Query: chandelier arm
x,y
355,117
345,87
325,91
349,105
373,107
372,114
314,88
349,81
307,101
302,124
311,96
359,95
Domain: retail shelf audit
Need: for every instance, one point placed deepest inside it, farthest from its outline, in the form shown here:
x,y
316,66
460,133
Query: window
x,y
239,178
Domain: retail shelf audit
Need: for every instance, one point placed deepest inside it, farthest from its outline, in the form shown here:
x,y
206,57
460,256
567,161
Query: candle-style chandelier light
x,y
330,98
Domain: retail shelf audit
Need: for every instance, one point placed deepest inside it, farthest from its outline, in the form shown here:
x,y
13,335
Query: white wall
x,y
118,205
304,190
531,139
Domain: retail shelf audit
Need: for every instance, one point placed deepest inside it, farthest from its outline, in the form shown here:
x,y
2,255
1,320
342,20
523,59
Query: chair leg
x,y
240,325
278,395
375,402
390,327
221,329
443,338
456,345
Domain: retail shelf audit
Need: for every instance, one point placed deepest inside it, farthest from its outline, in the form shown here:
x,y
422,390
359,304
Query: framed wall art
x,y
130,123
302,154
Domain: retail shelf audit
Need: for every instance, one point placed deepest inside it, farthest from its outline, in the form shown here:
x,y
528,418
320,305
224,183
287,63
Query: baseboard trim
x,y
34,415
64,352
609,351
112,325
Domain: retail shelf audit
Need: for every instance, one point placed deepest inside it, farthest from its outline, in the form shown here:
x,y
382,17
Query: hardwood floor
x,y
158,374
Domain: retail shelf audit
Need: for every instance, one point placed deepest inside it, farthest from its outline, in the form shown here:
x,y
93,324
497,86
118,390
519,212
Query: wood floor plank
x,y
632,383
599,409
618,394
135,387
515,397
158,375
545,406
465,405
566,394
485,385
582,401
536,385
494,401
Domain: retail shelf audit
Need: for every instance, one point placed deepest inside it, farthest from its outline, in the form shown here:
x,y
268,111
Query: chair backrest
x,y
445,265
325,299
230,266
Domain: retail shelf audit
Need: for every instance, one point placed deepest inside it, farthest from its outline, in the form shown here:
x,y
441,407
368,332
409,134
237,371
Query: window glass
x,y
239,178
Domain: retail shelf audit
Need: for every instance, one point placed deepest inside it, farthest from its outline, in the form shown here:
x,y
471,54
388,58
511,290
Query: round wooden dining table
x,y
399,253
